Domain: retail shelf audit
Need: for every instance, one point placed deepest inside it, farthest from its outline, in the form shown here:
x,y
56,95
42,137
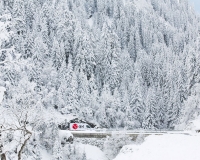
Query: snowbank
x,y
92,152
165,147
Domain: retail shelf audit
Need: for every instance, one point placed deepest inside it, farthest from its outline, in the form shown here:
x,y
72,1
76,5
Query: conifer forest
x,y
121,64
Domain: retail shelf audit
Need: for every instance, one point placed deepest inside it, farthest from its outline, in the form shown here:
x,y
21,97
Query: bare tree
x,y
20,118
25,133
22,123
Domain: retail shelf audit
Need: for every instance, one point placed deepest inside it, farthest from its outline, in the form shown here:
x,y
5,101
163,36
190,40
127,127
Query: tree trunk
x,y
23,145
3,156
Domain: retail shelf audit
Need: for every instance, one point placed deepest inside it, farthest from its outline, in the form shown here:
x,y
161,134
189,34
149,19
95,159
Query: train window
x,y
88,126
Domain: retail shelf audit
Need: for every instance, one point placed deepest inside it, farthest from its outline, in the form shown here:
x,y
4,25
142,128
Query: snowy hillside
x,y
134,63
120,64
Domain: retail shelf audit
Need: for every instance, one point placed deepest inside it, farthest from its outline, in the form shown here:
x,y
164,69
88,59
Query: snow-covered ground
x,y
92,152
165,147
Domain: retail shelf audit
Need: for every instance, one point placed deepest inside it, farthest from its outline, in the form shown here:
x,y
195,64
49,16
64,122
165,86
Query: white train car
x,y
79,127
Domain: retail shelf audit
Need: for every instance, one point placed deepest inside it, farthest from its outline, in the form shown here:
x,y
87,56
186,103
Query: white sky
x,y
196,4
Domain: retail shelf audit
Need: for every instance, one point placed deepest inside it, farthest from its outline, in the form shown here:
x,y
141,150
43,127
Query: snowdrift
x,y
165,147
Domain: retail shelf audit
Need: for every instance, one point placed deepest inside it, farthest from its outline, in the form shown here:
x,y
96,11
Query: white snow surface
x,y
142,4
2,90
196,124
45,155
90,22
65,134
92,152
165,147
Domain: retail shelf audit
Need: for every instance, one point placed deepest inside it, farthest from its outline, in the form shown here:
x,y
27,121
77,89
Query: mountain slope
x,y
122,64
142,55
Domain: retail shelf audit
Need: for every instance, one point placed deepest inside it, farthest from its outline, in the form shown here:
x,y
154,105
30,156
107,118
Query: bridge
x,y
132,134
